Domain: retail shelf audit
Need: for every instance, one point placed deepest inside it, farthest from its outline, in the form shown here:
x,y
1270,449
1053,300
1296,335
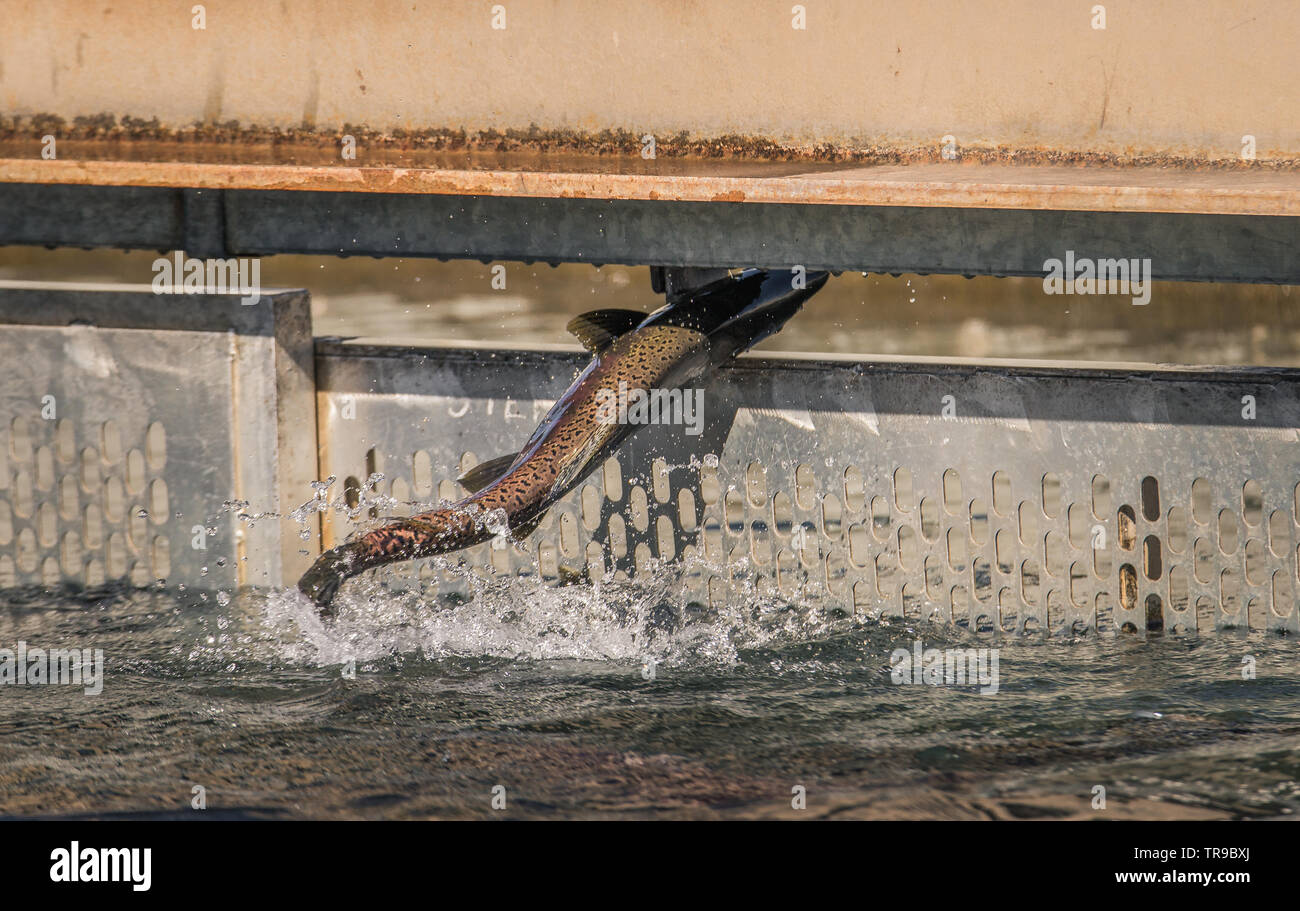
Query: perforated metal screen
x,y
1003,498
132,425
994,498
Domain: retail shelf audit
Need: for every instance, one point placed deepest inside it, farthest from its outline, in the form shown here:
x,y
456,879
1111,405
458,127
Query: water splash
x,y
649,618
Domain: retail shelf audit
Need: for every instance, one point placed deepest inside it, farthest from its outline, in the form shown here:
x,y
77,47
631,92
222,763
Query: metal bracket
x,y
674,281
204,223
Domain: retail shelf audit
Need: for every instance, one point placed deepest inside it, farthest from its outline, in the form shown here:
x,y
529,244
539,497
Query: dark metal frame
x,y
704,235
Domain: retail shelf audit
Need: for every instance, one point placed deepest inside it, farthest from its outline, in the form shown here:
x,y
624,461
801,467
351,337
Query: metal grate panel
x,y
996,498
123,436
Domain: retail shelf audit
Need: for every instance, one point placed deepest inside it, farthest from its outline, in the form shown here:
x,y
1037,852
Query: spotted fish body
x,y
668,349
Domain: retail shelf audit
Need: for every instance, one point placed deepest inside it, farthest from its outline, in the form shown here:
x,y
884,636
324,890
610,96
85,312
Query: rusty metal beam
x,y
1066,189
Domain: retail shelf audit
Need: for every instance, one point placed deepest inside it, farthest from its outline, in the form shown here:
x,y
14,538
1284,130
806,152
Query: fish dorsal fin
x,y
598,329
484,473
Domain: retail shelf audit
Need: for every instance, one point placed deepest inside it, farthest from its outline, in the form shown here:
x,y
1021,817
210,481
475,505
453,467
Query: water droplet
x,y
223,599
497,522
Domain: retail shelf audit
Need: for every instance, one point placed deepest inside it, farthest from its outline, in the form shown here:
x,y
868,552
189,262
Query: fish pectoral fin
x,y
484,473
598,329
578,462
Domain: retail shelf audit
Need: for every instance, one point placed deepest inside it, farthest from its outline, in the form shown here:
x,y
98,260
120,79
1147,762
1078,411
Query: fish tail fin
x,y
321,582
423,535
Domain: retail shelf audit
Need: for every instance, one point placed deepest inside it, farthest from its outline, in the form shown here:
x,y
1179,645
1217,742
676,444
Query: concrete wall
x,y
1163,77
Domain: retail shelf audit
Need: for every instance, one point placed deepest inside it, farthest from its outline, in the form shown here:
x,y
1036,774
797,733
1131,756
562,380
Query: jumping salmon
x,y
674,346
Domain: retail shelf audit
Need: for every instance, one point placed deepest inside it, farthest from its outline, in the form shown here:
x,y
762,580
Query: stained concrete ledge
x,y
1159,77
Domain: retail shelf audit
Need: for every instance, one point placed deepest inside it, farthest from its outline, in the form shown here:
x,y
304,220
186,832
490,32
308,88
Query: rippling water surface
x,y
619,702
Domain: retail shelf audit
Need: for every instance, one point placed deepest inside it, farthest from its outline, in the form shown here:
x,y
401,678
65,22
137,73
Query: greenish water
x,y
622,704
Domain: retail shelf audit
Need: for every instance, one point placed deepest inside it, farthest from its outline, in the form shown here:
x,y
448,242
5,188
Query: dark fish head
x,y
741,310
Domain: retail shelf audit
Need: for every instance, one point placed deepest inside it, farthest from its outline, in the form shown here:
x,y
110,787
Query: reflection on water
x,y
619,703
937,315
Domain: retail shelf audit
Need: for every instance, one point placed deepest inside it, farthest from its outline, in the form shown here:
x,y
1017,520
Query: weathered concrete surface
x,y
1162,78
